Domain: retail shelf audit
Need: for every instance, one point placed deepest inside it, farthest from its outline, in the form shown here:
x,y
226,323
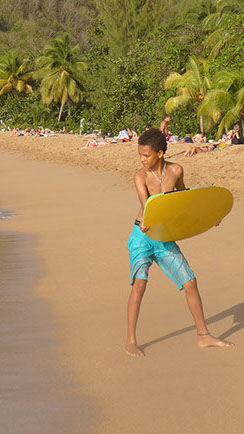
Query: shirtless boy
x,y
158,176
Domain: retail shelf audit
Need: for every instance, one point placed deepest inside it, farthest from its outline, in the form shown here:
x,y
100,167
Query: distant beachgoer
x,y
234,133
14,132
199,138
123,135
164,126
132,134
193,150
82,125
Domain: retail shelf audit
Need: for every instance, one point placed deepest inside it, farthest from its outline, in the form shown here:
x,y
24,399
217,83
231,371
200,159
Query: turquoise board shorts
x,y
143,251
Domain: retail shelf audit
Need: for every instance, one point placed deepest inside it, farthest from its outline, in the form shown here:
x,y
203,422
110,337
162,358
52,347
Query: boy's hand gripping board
x,y
182,214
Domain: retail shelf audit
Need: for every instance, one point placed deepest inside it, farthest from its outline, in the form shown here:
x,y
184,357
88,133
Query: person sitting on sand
x,y
132,134
158,176
14,132
123,136
234,133
199,138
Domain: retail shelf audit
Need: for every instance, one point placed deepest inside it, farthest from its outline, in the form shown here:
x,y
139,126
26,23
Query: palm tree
x,y
225,102
61,73
220,12
215,17
190,86
217,25
200,11
14,75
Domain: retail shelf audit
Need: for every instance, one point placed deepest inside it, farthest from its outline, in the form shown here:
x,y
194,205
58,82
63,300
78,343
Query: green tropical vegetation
x,y
122,63
224,104
14,76
191,86
61,73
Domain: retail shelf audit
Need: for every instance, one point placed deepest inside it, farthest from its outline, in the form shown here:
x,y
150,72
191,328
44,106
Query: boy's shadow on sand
x,y
238,321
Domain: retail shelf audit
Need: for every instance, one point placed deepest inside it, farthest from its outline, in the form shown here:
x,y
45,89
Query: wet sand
x,y
81,220
36,396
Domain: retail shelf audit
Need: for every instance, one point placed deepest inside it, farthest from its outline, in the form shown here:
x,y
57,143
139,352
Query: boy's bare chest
x,y
154,186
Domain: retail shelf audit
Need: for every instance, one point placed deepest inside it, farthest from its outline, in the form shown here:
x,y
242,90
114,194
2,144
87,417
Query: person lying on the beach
x,y
91,144
158,176
96,143
193,150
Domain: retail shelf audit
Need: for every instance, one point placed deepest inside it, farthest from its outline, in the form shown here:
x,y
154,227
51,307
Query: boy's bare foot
x,y
132,350
210,341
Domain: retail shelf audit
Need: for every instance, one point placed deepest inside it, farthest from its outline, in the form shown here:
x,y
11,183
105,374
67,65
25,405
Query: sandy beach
x,y
79,206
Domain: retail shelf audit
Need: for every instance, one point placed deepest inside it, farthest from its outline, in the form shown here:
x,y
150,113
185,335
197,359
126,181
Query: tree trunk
x,y
242,121
127,21
201,124
69,110
60,112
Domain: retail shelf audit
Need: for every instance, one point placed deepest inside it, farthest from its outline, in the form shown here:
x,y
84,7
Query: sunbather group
x,y
231,138
40,132
97,139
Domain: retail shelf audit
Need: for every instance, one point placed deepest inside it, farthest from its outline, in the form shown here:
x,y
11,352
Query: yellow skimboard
x,y
183,214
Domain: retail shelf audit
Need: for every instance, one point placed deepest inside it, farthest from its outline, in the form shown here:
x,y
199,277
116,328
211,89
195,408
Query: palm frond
x,y
240,99
187,93
3,74
213,38
216,49
226,79
20,86
173,81
193,70
3,82
173,103
211,21
229,119
5,89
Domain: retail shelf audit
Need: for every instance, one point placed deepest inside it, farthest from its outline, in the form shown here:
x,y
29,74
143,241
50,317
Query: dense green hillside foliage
x,y
119,54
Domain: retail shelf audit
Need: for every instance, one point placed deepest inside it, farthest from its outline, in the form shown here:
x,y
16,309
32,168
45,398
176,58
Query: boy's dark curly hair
x,y
153,138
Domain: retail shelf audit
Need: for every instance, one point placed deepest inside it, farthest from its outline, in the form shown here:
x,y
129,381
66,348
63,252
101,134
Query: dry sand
x,y
223,167
81,219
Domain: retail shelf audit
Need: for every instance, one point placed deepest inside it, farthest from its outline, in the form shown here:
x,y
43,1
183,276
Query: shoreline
x,y
82,219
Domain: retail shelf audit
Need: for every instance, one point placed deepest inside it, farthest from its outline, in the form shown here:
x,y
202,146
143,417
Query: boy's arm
x,y
139,180
143,195
179,185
